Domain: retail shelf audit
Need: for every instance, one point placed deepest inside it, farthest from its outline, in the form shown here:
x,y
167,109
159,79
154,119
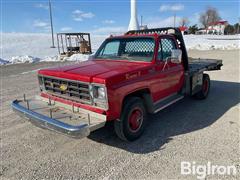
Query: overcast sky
x,y
104,16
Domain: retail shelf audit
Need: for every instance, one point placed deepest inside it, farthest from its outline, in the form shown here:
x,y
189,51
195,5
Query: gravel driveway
x,y
191,130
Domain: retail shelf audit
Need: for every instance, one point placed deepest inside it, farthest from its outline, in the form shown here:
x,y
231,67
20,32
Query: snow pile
x,y
3,62
31,59
50,59
23,59
77,57
212,42
74,57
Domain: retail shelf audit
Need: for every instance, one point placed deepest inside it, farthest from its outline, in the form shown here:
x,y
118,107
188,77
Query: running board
x,y
167,102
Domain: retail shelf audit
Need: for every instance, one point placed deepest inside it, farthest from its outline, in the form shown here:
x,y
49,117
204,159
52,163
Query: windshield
x,y
132,49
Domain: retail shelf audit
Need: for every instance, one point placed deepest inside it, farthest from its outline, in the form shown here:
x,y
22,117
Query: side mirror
x,y
176,56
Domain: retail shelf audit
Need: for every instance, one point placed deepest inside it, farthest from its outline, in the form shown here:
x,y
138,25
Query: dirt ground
x,y
191,130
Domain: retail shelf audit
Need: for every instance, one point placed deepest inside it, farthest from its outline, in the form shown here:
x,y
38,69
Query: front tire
x,y
132,122
203,94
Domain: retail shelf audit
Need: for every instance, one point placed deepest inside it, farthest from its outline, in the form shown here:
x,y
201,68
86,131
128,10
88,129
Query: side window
x,y
166,47
111,49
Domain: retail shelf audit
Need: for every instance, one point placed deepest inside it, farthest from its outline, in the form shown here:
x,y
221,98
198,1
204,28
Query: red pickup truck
x,y
129,77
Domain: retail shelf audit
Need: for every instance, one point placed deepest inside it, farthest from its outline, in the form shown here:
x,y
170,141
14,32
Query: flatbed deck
x,y
200,65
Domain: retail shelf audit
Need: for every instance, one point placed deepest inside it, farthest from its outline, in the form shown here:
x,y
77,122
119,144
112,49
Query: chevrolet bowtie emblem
x,y
63,87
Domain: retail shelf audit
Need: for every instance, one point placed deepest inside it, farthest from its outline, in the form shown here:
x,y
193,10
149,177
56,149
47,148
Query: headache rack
x,y
167,31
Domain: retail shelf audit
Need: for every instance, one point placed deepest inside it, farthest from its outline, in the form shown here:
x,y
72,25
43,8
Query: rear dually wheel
x,y
203,93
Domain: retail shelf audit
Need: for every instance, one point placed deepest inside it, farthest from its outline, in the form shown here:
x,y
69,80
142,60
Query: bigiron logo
x,y
201,171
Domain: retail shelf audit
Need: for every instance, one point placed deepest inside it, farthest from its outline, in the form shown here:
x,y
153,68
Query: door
x,y
170,75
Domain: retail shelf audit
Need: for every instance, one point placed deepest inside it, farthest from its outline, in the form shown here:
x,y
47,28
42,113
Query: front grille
x,y
75,90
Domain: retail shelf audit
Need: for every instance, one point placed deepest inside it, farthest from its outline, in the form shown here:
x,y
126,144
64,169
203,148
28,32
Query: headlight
x,y
99,92
99,95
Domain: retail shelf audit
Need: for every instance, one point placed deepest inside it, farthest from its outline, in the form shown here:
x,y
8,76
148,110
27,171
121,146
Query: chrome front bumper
x,y
39,112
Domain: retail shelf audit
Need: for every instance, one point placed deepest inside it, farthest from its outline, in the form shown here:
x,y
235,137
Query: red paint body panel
x,y
100,70
123,77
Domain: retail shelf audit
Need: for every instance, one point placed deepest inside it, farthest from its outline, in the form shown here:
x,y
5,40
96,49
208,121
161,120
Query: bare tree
x,y
210,16
184,21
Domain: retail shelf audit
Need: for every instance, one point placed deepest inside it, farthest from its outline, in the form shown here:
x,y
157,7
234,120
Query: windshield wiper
x,y
127,57
115,57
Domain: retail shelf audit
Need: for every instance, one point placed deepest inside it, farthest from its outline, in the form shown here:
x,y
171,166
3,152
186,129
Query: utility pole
x,y
238,30
50,14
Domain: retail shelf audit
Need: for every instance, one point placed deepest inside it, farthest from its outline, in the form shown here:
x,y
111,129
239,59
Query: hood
x,y
99,70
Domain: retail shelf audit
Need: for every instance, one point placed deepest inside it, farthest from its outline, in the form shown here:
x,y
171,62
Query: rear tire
x,y
132,122
203,94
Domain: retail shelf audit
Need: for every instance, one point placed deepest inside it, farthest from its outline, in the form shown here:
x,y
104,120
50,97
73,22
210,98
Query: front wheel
x,y
132,122
203,93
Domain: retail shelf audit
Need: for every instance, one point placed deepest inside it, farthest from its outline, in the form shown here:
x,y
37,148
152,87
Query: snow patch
x,y
3,62
212,42
77,57
30,59
50,59
23,59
